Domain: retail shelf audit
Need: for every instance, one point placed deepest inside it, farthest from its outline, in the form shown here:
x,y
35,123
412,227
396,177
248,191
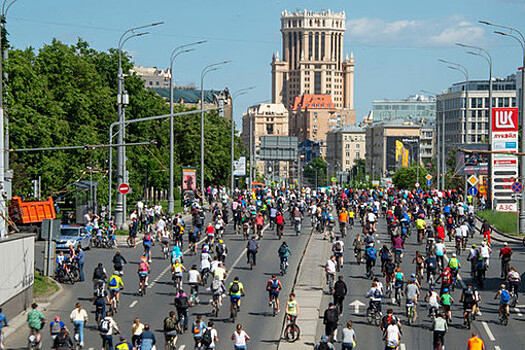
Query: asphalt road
x,y
255,314
418,335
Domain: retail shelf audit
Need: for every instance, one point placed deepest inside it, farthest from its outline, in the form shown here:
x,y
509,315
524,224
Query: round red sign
x,y
123,188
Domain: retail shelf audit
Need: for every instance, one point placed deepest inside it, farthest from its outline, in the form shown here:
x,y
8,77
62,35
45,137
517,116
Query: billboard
x,y
239,167
473,163
504,166
401,151
189,179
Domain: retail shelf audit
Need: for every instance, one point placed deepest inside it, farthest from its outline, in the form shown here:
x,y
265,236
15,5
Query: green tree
x,y
315,172
406,178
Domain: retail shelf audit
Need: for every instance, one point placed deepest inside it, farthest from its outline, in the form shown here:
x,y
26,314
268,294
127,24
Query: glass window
x,y
357,145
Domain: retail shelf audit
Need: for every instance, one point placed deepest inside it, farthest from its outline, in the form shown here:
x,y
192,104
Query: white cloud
x,y
414,33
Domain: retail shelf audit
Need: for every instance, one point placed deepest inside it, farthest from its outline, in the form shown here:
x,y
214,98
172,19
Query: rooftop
x,y
268,109
349,129
313,102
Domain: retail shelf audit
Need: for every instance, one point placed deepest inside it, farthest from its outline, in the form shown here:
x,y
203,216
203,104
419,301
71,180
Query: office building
x,y
343,146
313,61
415,108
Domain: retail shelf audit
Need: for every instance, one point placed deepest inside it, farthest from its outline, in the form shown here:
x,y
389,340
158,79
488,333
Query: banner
x,y
401,151
504,166
239,167
189,179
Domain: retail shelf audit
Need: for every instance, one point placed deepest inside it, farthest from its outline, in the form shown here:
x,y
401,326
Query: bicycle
x,y
215,305
142,285
76,339
177,281
373,315
250,260
297,226
129,241
330,278
113,305
468,318
273,304
32,344
181,327
398,292
235,311
342,225
504,318
389,288
291,330
410,311
440,342
284,265
280,229
172,342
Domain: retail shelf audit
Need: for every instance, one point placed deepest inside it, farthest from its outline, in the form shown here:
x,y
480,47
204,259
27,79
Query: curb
x,y
50,298
504,236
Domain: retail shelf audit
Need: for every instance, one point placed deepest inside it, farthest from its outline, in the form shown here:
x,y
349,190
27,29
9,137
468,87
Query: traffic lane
x,y
255,314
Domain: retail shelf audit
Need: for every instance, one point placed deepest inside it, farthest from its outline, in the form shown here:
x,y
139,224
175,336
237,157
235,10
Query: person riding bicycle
x,y
284,253
62,340
274,286
279,221
454,265
329,229
371,257
177,270
176,254
338,248
514,279
504,300
218,289
388,319
386,255
194,279
421,226
143,271
292,309
147,242
412,294
252,247
181,305
375,294
505,255
221,250
433,300
259,224
170,329
115,285
468,298
399,280
236,291
36,321
446,302
439,329
343,219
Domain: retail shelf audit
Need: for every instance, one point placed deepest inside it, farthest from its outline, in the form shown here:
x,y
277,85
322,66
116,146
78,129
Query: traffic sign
x,y
473,180
429,177
429,183
473,191
334,179
517,187
417,184
482,189
124,188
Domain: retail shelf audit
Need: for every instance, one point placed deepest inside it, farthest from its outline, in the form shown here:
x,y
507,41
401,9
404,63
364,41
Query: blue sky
x,y
396,44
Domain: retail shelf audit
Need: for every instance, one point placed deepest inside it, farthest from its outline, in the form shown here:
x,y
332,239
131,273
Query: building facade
x,y
343,146
390,146
415,108
153,77
467,121
313,116
313,61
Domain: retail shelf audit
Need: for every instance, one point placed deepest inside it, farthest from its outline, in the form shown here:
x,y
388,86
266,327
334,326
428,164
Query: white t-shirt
x,y
158,209
392,335
239,339
330,266
433,300
341,244
213,335
193,276
484,252
205,264
371,217
464,229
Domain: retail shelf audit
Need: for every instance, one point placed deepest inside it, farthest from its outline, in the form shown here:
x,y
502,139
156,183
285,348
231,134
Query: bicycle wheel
x,y
292,333
377,318
369,315
129,241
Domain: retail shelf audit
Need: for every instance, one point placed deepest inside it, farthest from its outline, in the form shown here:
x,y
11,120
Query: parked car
x,y
78,236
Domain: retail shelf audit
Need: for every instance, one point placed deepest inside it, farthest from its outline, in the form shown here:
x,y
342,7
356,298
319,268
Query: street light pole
x,y
122,99
459,68
205,70
176,52
521,40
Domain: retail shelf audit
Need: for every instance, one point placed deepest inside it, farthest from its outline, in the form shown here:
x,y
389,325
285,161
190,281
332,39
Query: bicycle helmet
x,y
445,290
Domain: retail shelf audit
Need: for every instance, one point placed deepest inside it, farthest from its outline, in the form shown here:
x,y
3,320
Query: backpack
x,y
215,285
219,249
282,251
113,282
377,294
338,246
390,268
505,296
99,273
196,328
55,327
170,323
182,302
331,316
371,253
274,284
323,346
104,325
469,295
385,254
235,287
143,267
206,338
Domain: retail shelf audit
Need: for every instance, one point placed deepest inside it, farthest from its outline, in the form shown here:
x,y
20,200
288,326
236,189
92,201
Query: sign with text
x,y
504,166
189,179
239,167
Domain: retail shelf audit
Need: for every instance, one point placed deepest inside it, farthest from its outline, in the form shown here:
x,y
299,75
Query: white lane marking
x,y
402,346
496,347
182,347
243,253
489,332
518,312
133,303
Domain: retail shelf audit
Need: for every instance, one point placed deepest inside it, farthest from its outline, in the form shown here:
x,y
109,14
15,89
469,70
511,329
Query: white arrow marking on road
x,y
356,304
489,332
133,303
497,347
402,346
182,347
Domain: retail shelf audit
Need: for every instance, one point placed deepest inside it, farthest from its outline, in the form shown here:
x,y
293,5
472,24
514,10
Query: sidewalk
x,y
308,289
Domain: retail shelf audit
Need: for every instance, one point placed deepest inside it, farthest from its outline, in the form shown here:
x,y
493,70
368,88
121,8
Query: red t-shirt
x,y
210,230
259,221
441,232
505,252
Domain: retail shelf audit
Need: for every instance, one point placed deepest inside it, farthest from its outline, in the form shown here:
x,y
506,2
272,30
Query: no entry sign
x,y
123,188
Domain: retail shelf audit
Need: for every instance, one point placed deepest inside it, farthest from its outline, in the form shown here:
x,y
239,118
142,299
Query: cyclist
x,y
388,319
386,256
343,220
252,248
330,271
351,216
439,328
176,254
236,291
475,343
259,224
412,294
143,272
514,279
292,309
221,250
217,289
392,336
198,328
504,299
398,283
446,301
421,225
375,294
194,279
279,220
468,298
419,261
454,266
440,251
284,253
177,269
338,248
62,340
505,255
371,256
146,242
36,321
182,304
433,300
205,266
329,229
274,286
115,285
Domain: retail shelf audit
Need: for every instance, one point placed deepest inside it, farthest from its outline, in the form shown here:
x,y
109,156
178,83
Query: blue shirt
x,y
81,257
3,321
147,340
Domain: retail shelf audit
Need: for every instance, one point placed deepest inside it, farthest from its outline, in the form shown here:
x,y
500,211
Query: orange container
x,y
31,212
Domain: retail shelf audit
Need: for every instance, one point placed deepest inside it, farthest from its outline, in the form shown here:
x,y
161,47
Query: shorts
x,y
503,303
170,334
143,273
234,298
147,246
338,254
446,308
469,305
113,292
274,293
193,239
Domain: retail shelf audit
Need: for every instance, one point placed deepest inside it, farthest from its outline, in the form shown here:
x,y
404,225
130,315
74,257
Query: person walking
x,y
348,340
81,260
330,319
475,342
340,291
79,318
240,337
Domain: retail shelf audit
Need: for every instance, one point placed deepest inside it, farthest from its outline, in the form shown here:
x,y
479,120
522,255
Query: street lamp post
x,y
176,52
205,70
521,39
464,71
122,99
234,96
488,58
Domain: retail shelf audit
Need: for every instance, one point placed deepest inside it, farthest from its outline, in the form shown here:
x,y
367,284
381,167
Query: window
x,y
348,154
269,129
357,145
357,155
347,146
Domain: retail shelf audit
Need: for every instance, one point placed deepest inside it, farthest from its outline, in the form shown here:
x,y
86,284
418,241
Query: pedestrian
x,y
340,291
79,318
324,344
3,323
81,260
119,261
136,331
330,319
123,344
107,328
147,339
348,340
239,338
475,342
133,229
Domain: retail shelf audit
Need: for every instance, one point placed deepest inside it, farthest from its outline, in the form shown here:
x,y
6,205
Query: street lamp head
x,y
485,22
462,45
156,24
141,34
501,33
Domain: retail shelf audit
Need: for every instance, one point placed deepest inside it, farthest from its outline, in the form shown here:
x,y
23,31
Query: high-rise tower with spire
x,y
312,59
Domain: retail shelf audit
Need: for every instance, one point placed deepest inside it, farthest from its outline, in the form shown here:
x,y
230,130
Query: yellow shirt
x,y
177,267
351,214
291,307
118,280
221,272
420,223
